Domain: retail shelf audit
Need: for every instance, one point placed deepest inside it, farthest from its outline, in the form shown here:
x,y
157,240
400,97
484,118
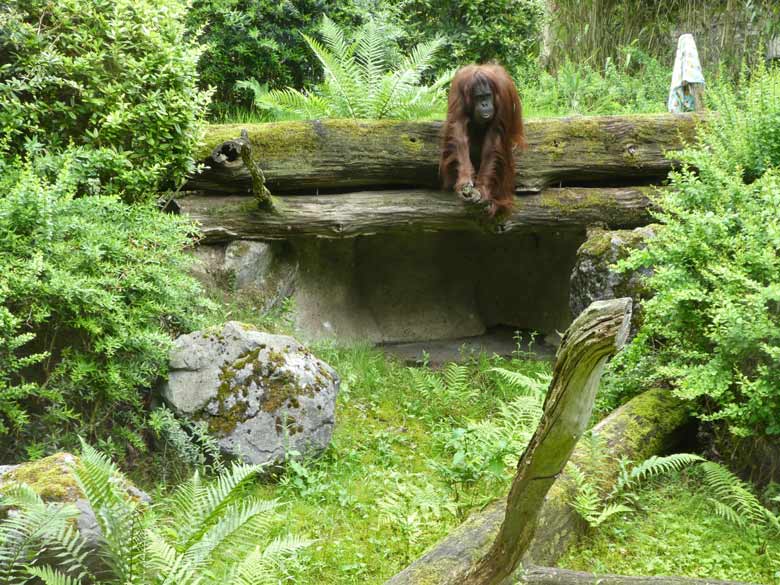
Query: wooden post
x,y
595,335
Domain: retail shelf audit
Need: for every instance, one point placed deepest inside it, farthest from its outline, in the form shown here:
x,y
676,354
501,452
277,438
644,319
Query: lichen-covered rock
x,y
52,478
261,395
594,278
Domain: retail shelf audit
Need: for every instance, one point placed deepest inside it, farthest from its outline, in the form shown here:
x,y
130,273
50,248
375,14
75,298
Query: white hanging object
x,y
687,78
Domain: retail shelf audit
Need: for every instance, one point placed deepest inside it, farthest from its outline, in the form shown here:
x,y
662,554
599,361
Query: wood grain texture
x,y
362,213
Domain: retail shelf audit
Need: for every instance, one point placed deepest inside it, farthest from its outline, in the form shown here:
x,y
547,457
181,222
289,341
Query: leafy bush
x,y
358,81
261,40
712,328
209,532
91,291
507,31
114,76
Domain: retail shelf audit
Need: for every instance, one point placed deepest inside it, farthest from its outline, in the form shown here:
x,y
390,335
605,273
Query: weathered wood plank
x,y
314,155
595,335
377,212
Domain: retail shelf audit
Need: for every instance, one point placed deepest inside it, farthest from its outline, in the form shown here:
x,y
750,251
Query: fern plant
x,y
734,501
595,502
361,80
206,533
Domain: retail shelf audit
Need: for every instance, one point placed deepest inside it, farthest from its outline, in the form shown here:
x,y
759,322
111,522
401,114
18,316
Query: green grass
x,y
381,494
677,533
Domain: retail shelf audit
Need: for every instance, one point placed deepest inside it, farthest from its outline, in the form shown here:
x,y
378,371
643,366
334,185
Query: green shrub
x,y
90,293
114,76
712,328
507,31
362,80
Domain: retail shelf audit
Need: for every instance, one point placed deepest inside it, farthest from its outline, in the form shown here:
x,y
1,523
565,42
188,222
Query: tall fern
x,y
361,82
206,533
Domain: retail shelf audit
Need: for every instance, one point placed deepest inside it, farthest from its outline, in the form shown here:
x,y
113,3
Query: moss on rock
x,y
51,477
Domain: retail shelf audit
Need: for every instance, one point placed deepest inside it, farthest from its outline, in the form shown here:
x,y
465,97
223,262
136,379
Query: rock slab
x,y
262,395
594,277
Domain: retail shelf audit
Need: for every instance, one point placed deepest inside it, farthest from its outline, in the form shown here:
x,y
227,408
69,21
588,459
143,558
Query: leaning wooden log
x,y
377,212
650,424
346,155
595,335
550,576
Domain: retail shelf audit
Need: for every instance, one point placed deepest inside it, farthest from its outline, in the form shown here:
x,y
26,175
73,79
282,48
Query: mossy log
x,y
550,576
345,155
376,212
597,333
649,424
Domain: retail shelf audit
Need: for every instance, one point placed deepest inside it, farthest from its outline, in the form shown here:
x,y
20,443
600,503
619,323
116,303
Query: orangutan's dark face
x,y
483,107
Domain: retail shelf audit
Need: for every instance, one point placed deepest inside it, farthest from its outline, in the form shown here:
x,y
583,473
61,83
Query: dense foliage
x,y
507,31
208,533
91,291
713,327
115,78
363,79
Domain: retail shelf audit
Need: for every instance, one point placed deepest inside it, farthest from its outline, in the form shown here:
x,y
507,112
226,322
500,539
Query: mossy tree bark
x,y
598,332
306,156
377,212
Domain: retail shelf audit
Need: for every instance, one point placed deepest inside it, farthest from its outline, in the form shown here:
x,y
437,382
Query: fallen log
x,y
595,335
307,156
377,212
550,576
649,424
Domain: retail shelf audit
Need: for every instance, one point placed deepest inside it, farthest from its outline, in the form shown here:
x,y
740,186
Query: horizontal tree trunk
x,y
550,576
376,212
649,424
595,335
307,156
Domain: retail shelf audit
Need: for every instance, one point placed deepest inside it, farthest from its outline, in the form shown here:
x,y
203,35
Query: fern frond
x,y
292,100
24,535
607,512
456,377
536,386
241,524
49,576
655,466
341,77
734,493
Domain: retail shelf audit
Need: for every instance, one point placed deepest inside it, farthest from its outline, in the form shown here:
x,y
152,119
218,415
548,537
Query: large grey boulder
x,y
262,395
594,277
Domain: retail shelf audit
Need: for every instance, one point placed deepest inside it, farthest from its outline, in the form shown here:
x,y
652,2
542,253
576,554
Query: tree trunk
x,y
649,424
310,156
598,333
378,212
549,576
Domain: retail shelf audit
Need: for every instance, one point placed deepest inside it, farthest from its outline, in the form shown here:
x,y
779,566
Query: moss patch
x,y
50,477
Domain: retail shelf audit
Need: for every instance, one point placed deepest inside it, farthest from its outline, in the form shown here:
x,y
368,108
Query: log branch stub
x,y
595,335
551,576
348,155
378,212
